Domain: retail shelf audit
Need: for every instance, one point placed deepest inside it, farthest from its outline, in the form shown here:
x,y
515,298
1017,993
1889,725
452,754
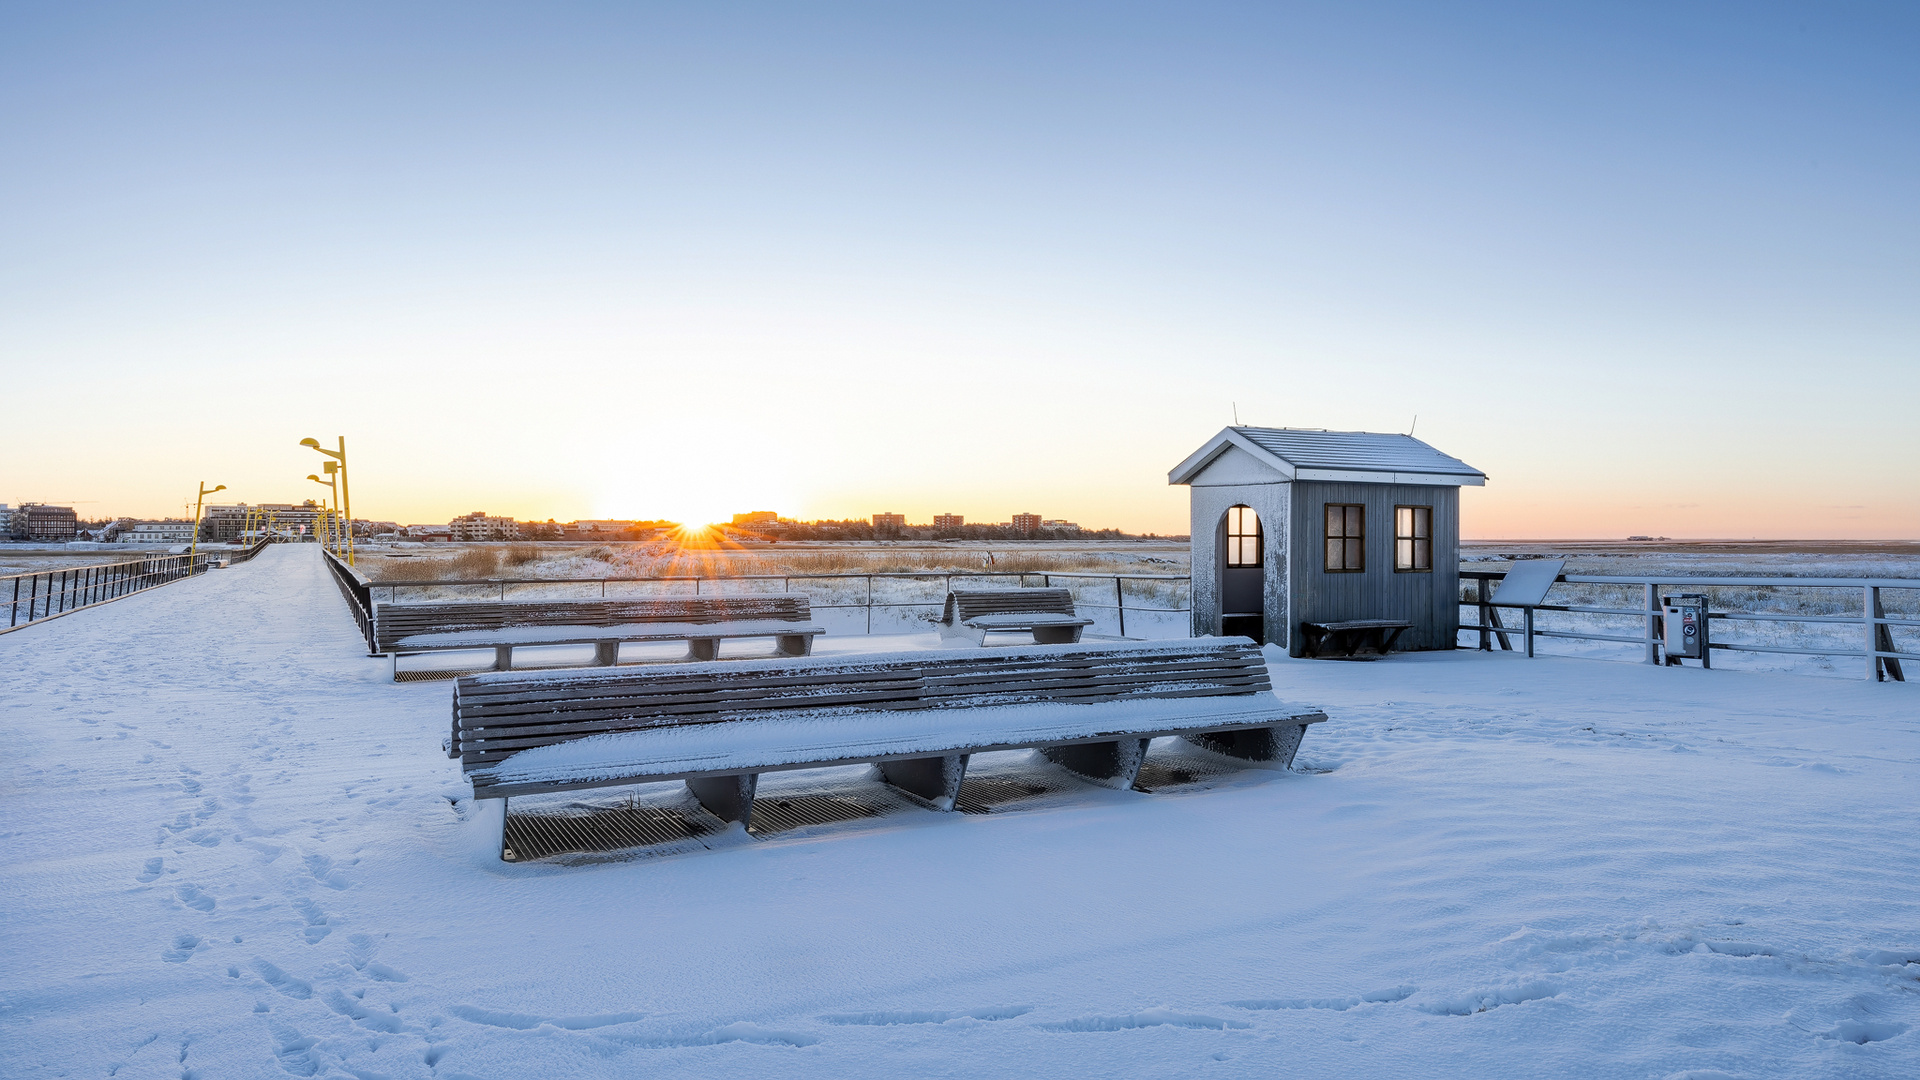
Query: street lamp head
x,y
315,479
219,487
315,443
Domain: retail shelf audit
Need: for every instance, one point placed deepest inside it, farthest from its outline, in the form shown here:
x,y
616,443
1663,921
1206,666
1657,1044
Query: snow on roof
x,y
1314,454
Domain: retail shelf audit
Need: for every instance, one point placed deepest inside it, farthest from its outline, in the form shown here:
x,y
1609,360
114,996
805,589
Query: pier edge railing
x,y
1876,649
39,595
1046,578
359,595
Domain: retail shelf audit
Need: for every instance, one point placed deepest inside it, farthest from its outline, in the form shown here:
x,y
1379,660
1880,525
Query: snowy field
x,y
238,851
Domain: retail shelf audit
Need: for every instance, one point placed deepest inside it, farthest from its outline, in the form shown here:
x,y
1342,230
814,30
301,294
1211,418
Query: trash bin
x,y
1686,628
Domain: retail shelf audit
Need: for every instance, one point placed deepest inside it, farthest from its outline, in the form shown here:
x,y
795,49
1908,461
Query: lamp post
x,y
346,494
194,548
330,486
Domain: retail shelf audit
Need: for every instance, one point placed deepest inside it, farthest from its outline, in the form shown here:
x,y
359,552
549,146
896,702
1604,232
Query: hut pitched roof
x,y
1313,454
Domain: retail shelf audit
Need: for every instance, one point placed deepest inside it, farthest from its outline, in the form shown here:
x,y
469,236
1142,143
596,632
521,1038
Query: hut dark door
x,y
1242,576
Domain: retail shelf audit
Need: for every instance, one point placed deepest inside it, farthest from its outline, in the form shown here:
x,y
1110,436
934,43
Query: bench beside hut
x,y
1294,525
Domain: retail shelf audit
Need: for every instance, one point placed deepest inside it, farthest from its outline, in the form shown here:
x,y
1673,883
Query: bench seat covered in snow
x,y
918,716
1346,639
701,621
1047,613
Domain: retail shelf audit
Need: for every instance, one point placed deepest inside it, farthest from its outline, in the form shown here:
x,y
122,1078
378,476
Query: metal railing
x,y
1876,645
355,587
1119,605
45,594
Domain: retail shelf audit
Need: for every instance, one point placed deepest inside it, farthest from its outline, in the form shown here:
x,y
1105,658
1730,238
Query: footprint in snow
x,y
527,1022
319,923
181,950
155,867
1479,1001
191,896
882,1019
1145,1019
281,981
1378,997
360,955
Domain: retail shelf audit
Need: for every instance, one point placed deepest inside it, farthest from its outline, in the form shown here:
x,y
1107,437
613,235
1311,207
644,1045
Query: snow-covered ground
x,y
237,850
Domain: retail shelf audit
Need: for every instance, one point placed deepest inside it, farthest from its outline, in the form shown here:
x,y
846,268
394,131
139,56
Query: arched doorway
x,y
1242,575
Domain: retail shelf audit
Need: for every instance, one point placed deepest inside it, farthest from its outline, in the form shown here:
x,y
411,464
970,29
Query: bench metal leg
x,y
729,798
1115,764
935,779
704,648
794,644
1277,744
959,636
1056,635
503,658
606,653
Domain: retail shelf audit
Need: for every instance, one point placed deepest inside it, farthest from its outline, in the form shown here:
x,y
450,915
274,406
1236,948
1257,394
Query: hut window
x,y
1243,537
1412,538
1346,538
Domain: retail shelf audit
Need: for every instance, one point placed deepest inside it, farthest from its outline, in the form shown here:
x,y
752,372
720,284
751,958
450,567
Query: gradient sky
x,y
1655,268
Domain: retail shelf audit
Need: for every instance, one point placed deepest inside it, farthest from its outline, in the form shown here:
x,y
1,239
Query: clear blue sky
x,y
1653,267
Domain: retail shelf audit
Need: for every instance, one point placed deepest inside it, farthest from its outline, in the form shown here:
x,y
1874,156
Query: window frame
x,y
1412,539
1258,534
1350,542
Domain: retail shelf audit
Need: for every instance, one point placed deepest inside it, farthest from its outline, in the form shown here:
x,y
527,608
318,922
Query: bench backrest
x,y
498,714
395,621
964,604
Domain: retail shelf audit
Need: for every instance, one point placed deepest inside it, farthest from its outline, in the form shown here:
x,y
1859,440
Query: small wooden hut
x,y
1295,525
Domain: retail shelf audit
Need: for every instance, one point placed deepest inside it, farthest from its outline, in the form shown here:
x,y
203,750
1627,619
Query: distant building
x,y
223,523
1027,523
170,531
6,522
1062,525
46,524
428,533
948,521
757,517
479,525
889,521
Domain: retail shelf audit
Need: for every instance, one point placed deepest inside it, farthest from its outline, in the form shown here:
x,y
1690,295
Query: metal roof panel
x,y
1355,451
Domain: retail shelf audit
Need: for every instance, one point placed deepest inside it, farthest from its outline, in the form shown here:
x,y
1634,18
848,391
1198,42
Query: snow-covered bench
x,y
1349,637
1048,613
918,716
701,621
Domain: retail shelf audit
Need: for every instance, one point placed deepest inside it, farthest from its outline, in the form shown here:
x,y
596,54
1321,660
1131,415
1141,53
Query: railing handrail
x,y
420,584
100,566
1723,582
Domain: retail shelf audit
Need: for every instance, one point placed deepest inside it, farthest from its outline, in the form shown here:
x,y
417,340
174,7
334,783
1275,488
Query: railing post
x,y
1120,600
869,605
1870,599
1653,615
13,617
1486,616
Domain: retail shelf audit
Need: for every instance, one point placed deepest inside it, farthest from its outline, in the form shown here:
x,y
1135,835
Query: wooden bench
x,y
701,621
1348,638
1047,613
917,716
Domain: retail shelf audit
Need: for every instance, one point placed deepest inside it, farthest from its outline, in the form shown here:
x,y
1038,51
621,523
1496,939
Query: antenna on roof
x,y
1236,414
1415,424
